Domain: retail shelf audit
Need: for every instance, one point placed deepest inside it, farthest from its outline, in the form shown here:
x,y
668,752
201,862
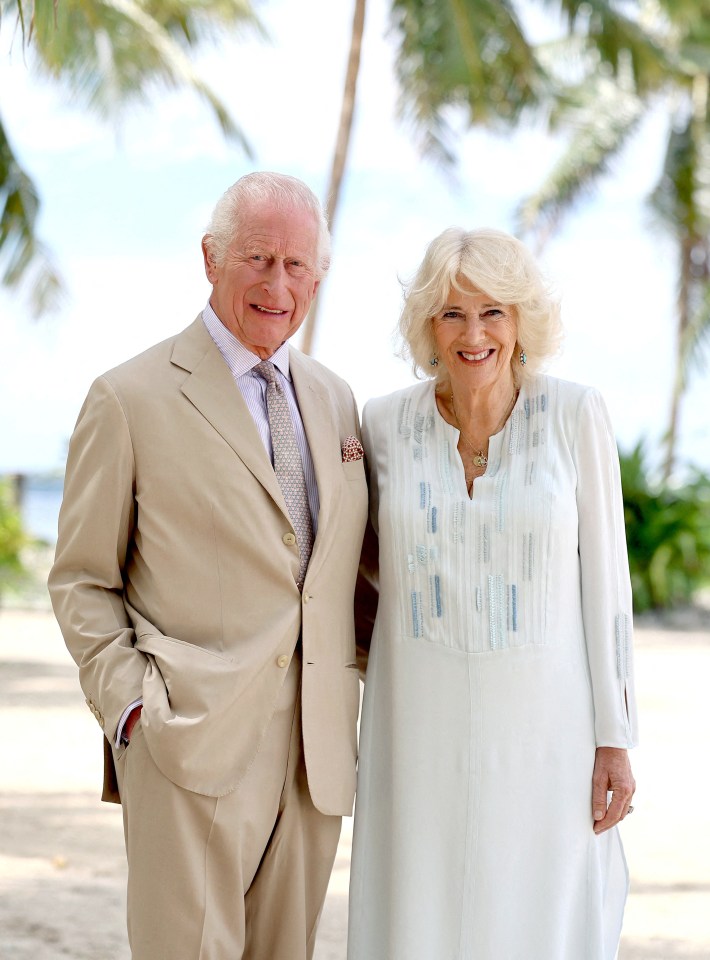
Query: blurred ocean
x,y
41,499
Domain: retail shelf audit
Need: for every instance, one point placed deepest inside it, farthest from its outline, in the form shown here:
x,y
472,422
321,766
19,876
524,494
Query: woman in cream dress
x,y
499,703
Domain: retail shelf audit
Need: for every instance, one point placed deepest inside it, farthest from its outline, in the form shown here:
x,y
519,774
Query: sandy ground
x,y
62,867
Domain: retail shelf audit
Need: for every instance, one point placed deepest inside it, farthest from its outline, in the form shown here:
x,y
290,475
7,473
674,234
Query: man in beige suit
x,y
210,610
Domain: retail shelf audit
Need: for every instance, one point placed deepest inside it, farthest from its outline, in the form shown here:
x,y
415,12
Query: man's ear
x,y
208,257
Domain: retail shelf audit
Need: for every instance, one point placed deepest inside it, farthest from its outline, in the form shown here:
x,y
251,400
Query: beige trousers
x,y
240,877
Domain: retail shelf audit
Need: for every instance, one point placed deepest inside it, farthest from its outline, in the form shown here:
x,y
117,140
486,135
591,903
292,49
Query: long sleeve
x,y
86,582
606,587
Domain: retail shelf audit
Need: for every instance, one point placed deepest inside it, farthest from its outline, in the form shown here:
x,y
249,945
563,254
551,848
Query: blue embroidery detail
x,y
514,435
495,611
424,495
419,426
502,502
528,555
403,426
457,519
416,613
445,465
435,596
623,645
485,547
431,520
514,607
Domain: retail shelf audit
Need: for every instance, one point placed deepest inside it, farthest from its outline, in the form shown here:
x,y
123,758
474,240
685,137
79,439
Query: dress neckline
x,y
495,442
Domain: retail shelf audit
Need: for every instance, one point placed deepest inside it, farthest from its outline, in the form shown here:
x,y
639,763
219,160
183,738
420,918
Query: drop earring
x,y
523,357
434,362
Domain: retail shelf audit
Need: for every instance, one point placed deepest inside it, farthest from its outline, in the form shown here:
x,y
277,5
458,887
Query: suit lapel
x,y
212,390
316,406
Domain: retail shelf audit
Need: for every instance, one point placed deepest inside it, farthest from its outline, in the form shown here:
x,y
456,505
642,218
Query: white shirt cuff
x,y
124,717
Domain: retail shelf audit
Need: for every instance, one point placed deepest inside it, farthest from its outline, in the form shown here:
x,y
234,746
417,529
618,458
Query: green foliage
x,y
667,532
12,538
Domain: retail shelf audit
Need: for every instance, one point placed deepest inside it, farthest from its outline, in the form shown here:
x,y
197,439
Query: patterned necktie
x,y
287,463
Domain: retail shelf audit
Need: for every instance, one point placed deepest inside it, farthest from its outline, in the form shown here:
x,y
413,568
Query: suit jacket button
x,y
283,660
289,539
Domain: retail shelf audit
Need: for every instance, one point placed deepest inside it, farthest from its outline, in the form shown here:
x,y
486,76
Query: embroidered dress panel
x,y
287,464
505,600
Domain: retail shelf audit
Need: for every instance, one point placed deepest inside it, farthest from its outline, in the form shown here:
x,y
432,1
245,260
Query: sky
x,y
124,208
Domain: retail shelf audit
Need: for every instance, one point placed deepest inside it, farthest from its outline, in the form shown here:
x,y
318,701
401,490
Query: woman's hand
x,y
612,772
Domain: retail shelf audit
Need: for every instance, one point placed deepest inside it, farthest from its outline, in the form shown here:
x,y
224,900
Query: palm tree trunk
x,y
671,438
693,239
342,144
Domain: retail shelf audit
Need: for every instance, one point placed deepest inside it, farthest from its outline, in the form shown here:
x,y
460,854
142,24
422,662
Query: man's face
x,y
262,290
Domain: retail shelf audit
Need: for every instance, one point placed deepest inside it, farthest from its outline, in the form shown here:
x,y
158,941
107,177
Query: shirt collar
x,y
238,358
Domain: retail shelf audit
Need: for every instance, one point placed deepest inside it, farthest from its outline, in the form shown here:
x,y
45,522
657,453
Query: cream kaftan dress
x,y
501,658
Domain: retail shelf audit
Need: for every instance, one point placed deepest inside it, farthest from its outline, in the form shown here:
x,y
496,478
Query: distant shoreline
x,y
40,500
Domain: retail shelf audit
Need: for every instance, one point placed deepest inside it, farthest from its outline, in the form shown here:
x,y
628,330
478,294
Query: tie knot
x,y
267,370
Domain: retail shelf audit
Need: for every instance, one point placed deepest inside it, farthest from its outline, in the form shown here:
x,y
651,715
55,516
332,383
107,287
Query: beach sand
x,y
62,865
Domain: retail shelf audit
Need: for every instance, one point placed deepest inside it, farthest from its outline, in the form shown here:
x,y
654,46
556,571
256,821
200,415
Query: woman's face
x,y
475,337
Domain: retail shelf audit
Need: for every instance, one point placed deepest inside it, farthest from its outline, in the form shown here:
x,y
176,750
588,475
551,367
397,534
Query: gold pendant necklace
x,y
479,459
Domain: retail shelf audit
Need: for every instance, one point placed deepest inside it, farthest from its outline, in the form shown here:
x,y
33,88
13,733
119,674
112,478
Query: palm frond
x,y
26,264
674,199
685,16
602,118
111,53
462,57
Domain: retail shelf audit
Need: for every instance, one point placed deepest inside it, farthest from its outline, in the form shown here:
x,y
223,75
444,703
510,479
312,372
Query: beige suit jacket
x,y
175,580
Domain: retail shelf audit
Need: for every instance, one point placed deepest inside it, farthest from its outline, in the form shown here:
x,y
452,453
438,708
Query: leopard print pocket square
x,y
352,450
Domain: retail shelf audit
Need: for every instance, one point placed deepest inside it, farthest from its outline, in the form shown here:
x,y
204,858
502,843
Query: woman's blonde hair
x,y
498,265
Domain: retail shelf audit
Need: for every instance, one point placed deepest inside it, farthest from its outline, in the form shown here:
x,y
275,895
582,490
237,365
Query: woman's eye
x,y
450,315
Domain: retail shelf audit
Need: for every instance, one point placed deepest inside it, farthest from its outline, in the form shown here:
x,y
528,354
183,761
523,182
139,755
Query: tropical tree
x,y
667,533
472,60
105,55
12,538
604,112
